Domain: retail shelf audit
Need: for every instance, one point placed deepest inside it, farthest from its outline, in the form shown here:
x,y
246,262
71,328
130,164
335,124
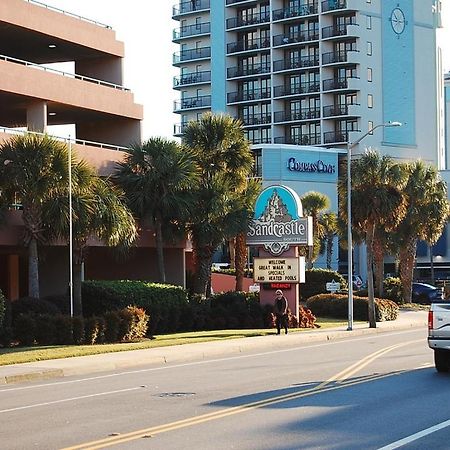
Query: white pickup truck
x,y
439,334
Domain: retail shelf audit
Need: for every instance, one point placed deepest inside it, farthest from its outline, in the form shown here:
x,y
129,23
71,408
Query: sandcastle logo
x,y
279,221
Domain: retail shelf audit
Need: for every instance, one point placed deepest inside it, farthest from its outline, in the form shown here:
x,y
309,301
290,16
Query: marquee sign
x,y
279,270
278,221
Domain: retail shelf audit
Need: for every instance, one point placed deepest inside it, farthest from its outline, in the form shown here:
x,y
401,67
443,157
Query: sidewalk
x,y
81,365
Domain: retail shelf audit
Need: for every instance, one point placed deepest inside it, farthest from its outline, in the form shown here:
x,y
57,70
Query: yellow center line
x,y
320,388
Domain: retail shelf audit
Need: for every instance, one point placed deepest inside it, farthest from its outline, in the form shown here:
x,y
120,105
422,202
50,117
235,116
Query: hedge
x,y
316,280
336,306
2,309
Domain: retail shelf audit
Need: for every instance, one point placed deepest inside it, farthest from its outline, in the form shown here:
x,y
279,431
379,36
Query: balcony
x,y
203,101
295,116
255,94
256,119
249,70
304,139
340,83
297,89
191,30
192,55
249,45
337,31
189,7
341,56
296,38
179,128
333,5
192,78
288,13
254,19
298,63
335,137
232,2
339,110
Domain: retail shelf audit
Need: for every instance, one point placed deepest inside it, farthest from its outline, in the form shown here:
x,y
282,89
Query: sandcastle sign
x,y
278,221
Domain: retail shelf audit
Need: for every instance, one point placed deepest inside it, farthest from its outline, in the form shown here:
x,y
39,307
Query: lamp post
x,y
350,145
70,229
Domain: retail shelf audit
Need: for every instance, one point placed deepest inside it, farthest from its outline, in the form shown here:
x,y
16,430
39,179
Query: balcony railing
x,y
295,38
232,2
253,69
254,19
337,83
336,110
203,101
192,54
296,89
333,5
256,119
331,137
304,139
294,116
304,62
190,6
179,128
251,44
192,78
192,30
339,30
255,94
336,57
286,13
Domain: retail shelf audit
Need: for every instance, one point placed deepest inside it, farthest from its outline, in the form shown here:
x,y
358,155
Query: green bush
x,y
163,303
2,309
45,333
63,330
78,330
112,325
29,305
316,280
93,330
336,306
134,324
25,329
392,287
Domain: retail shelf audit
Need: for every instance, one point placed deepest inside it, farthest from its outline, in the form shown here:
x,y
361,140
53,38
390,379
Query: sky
x,y
145,26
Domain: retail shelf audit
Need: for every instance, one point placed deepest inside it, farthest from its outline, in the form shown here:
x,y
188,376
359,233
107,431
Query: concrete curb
x,y
57,368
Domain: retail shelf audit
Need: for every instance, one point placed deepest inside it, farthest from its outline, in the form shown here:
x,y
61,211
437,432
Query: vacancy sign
x,y
278,270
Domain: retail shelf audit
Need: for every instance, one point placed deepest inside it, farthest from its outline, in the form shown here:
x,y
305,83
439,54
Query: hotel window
x,y
369,22
369,74
369,48
370,126
369,100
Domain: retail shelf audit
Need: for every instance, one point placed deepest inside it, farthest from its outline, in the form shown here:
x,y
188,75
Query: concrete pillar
x,y
37,117
13,277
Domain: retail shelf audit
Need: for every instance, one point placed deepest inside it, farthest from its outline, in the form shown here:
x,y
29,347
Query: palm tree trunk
x,y
232,250
378,260
407,259
203,261
329,250
370,289
33,269
240,260
160,250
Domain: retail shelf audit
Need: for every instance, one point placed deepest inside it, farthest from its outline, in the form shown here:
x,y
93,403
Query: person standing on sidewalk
x,y
280,309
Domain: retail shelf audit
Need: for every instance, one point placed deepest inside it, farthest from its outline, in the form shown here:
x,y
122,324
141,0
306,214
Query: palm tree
x,y
377,201
426,215
156,177
34,169
225,161
313,203
328,222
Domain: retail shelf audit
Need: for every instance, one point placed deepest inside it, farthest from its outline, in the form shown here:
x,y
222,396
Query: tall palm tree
x,y
313,204
377,201
156,177
426,215
33,168
328,222
225,161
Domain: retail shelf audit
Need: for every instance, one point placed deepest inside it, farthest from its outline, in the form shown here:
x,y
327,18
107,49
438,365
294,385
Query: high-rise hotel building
x,y
307,77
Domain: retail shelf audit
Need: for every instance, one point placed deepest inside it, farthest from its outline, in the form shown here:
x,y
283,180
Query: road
x,y
363,392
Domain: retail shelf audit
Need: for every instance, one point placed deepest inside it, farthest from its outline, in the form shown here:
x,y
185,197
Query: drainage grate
x,y
176,394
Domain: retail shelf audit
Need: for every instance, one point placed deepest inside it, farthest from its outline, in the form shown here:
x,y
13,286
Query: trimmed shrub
x,y
2,309
45,329
112,325
133,325
78,330
393,289
336,306
306,318
29,305
62,302
93,330
25,329
316,280
63,330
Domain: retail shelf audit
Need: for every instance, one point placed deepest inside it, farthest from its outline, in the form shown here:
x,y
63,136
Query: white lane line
x,y
416,436
19,408
208,361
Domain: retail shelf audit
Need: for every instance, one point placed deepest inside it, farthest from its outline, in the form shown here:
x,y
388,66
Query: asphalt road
x,y
366,392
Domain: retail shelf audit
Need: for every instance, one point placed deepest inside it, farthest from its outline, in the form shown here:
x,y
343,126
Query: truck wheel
x,y
441,360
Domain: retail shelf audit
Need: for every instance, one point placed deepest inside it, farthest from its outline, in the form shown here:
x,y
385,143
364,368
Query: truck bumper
x,y
439,343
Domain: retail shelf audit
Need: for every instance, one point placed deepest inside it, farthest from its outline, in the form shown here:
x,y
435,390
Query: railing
x,y
66,13
232,2
335,136
336,110
250,44
333,5
253,19
190,6
303,114
336,83
336,57
192,78
252,69
285,13
14,131
179,128
339,30
255,94
194,53
304,139
295,38
192,30
203,101
256,119
306,61
60,72
296,89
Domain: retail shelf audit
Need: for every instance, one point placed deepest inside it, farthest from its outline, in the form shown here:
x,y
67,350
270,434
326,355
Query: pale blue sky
x,y
148,67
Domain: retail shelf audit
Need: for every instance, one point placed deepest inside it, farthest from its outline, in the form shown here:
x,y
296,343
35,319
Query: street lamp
x,y
70,229
350,145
